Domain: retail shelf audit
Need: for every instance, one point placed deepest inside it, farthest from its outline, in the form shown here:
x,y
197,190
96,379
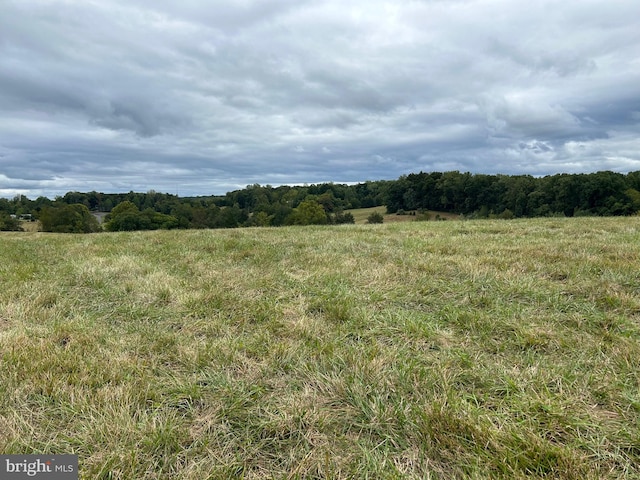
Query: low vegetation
x,y
361,215
476,349
9,223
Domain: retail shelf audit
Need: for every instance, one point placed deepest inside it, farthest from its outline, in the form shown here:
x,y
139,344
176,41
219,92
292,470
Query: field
x,y
360,215
470,349
30,226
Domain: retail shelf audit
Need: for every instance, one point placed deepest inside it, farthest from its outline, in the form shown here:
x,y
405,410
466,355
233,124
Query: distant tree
x,y
259,219
71,198
395,195
184,212
328,202
40,203
505,215
9,224
231,217
309,212
280,214
73,218
473,195
158,221
205,216
124,217
634,196
422,216
5,206
127,217
343,217
375,217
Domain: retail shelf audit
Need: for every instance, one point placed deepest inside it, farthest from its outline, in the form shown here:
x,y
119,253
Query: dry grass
x,y
361,215
30,226
501,349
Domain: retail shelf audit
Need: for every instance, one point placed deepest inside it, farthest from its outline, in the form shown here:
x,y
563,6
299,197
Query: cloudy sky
x,y
200,97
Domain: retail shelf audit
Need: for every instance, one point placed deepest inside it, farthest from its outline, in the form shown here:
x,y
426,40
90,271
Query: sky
x,y
201,97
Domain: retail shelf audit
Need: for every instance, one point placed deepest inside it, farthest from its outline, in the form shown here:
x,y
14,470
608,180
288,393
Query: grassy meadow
x,y
360,215
475,349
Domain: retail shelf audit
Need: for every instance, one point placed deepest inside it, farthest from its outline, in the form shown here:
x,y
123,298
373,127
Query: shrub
x,y
342,217
126,216
375,217
309,212
9,224
506,215
74,218
423,216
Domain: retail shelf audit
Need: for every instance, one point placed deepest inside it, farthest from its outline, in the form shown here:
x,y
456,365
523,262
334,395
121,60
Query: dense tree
x,y
73,218
309,212
259,219
127,216
9,223
6,206
472,195
601,193
231,217
341,217
634,197
280,214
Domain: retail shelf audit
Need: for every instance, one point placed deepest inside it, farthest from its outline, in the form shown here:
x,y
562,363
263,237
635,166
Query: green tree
x,y
5,206
328,202
158,221
9,224
309,212
231,217
73,218
259,219
634,196
375,217
341,217
184,212
125,217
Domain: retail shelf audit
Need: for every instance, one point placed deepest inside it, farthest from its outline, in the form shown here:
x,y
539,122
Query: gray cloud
x,y
202,97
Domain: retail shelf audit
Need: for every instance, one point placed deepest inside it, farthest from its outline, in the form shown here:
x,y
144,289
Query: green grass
x,y
361,215
477,349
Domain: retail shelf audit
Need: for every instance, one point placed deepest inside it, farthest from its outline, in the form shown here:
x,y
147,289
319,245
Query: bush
x,y
74,218
506,215
9,224
375,217
309,212
126,217
423,216
342,217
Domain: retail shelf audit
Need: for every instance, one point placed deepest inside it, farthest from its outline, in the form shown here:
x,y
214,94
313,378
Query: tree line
x,y
255,205
596,194
470,195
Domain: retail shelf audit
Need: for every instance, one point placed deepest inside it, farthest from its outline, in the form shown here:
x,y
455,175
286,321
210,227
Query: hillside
x,y
483,349
360,215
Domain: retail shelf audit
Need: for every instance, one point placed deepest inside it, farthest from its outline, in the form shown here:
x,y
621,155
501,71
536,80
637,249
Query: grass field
x,y
30,226
360,215
475,349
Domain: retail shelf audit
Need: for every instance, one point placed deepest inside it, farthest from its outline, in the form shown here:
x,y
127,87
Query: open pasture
x,y
470,349
360,215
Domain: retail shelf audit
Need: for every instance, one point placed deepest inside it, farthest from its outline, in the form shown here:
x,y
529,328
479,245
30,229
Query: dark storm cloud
x,y
202,97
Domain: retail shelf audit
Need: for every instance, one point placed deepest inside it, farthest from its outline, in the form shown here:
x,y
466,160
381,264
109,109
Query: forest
x,y
470,195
